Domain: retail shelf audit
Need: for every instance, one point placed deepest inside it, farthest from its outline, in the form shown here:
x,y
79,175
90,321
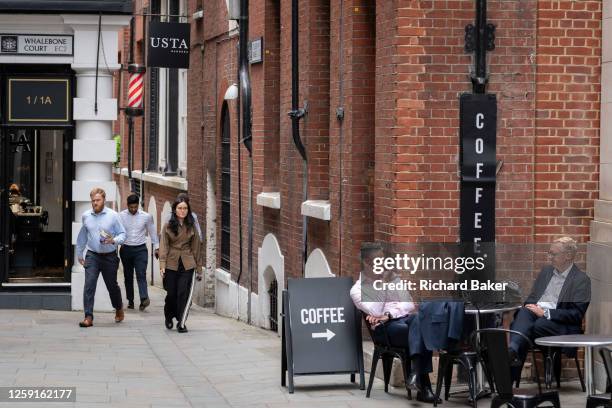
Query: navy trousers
x,y
526,322
405,333
135,258
106,264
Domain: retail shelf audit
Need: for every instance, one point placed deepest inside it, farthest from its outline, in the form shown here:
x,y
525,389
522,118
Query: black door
x,y
68,170
4,239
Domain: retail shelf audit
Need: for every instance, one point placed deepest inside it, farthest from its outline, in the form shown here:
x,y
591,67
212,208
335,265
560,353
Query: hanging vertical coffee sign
x,y
478,121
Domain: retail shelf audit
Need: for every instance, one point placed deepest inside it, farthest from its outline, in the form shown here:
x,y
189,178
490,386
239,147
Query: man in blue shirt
x,y
100,234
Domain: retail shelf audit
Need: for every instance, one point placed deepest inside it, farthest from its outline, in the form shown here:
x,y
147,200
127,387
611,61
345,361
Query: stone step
x,y
36,300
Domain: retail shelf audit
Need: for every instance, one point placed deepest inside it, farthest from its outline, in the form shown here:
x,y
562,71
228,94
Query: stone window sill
x,y
178,183
320,209
270,200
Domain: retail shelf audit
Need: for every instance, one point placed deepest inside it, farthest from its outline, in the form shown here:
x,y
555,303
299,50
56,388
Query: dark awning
x,y
66,6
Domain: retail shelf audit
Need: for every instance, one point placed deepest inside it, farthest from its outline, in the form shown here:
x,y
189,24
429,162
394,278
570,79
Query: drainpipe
x,y
296,114
245,101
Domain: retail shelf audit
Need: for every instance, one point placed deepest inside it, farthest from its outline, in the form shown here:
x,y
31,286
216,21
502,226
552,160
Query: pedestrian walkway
x,y
138,363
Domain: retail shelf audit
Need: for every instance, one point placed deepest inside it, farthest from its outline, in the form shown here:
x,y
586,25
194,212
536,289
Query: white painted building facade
x,y
94,106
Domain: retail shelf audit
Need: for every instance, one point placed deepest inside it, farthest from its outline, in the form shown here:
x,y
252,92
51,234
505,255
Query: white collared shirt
x,y
137,226
550,297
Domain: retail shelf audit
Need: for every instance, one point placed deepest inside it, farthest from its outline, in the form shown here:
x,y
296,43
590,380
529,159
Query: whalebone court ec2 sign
x,y
168,45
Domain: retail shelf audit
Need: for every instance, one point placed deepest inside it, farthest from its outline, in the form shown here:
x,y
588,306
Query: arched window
x,y
225,188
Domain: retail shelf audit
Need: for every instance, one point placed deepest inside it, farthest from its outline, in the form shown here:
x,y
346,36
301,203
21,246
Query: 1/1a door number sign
x,y
38,100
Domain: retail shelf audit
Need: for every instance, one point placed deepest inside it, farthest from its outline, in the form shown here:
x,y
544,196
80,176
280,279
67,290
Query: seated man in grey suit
x,y
557,303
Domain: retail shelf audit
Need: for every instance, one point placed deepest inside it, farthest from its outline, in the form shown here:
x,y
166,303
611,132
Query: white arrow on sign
x,y
328,334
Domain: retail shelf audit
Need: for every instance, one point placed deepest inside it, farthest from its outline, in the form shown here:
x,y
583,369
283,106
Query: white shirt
x,y
550,297
137,226
378,309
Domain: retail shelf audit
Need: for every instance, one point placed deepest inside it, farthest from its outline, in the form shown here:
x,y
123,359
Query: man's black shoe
x,y
143,304
169,324
130,304
181,329
427,395
515,361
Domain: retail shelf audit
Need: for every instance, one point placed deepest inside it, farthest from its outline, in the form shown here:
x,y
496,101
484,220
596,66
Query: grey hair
x,y
569,245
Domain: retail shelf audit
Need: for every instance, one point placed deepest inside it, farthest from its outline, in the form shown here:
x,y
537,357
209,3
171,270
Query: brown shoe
x,y
119,315
87,322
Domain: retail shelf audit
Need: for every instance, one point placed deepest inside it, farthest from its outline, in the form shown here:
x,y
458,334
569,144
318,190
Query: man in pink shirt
x,y
386,312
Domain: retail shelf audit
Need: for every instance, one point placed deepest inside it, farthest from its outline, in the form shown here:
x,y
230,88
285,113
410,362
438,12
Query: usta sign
x,y
174,43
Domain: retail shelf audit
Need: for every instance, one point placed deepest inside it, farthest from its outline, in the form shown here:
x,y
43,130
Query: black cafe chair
x,y
447,360
552,363
387,353
603,400
492,349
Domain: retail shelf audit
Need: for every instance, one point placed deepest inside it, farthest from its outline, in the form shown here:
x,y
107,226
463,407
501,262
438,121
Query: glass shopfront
x,y
36,173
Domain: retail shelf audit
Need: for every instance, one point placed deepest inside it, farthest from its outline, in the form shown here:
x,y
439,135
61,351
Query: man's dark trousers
x,y
532,326
405,333
135,258
107,264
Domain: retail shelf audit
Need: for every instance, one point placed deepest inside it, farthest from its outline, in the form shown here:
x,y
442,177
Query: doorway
x,y
35,220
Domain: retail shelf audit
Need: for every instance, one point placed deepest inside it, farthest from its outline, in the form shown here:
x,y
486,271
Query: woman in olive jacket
x,y
179,263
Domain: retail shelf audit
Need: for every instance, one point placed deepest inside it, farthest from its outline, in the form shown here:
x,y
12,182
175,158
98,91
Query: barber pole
x,y
134,108
135,90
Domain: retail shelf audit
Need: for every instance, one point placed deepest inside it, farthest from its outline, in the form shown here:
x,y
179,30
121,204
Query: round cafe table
x,y
588,341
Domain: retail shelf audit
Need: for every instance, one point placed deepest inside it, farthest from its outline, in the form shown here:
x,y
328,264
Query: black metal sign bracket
x,y
479,39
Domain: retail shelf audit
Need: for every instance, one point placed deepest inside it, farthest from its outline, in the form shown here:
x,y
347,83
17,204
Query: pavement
x,y
221,362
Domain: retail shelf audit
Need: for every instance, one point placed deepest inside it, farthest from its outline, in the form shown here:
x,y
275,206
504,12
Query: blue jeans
x,y
106,264
135,258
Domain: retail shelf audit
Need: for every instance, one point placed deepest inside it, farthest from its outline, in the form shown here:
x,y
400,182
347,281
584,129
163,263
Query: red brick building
x,y
388,170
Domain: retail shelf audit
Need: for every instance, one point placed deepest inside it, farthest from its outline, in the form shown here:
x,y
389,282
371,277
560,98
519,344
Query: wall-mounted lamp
x,y
231,93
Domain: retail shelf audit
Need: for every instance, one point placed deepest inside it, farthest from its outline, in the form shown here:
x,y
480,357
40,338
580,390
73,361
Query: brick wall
x,y
352,88
390,167
568,113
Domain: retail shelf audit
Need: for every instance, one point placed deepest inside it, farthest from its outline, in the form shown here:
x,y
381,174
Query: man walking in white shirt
x,y
134,253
